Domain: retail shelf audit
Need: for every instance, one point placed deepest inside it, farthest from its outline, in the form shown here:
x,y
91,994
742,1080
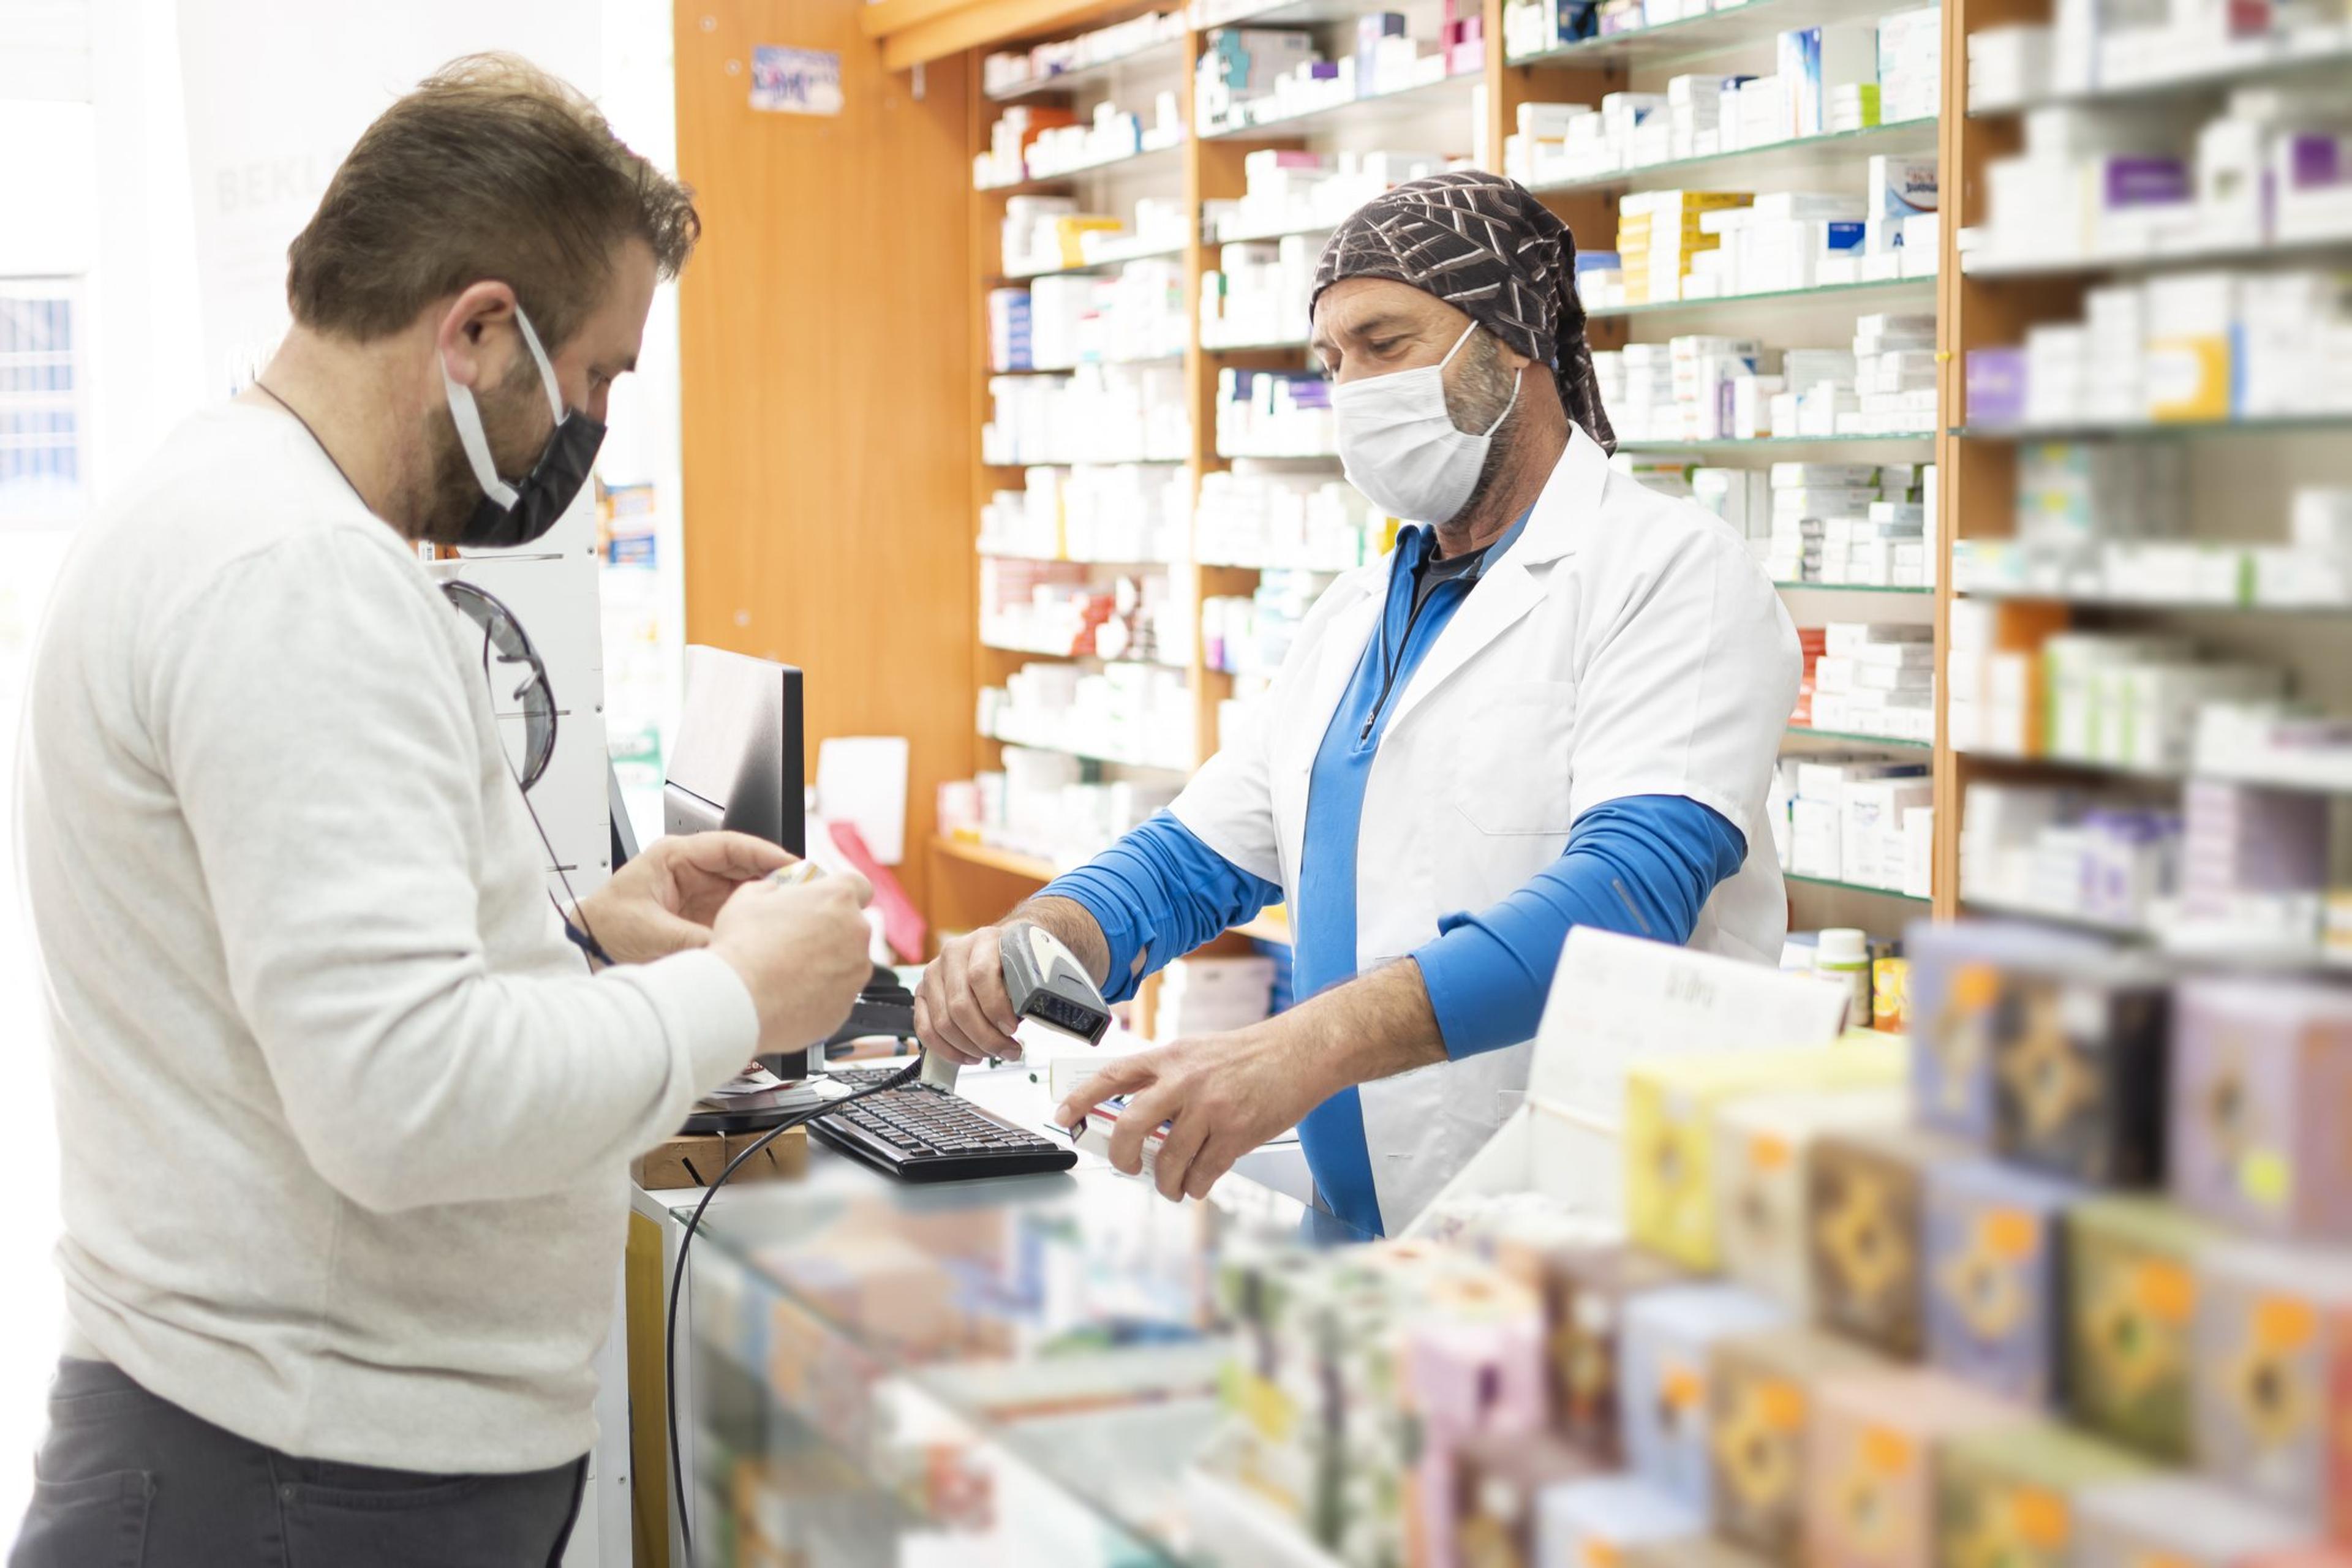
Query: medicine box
x,y
1761,1391
1958,995
1761,1146
2175,1521
2132,1268
2009,1494
1669,1337
1698,1552
1499,1482
1995,1250
2261,1071
2273,1400
1584,1291
1864,1194
1670,1106
1601,1519
1870,1466
2078,1065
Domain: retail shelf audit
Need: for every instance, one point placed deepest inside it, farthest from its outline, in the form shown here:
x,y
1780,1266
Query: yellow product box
x,y
1068,233
2188,377
1670,1128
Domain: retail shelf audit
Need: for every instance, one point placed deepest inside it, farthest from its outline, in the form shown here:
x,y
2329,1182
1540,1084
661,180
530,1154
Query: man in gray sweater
x,y
345,1118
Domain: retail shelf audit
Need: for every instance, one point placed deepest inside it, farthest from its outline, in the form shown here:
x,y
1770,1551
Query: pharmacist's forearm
x,y
1374,1026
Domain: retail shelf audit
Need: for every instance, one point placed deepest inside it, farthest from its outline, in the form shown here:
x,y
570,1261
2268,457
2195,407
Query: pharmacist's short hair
x,y
490,169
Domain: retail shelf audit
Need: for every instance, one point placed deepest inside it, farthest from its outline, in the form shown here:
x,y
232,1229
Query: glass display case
x,y
1020,1371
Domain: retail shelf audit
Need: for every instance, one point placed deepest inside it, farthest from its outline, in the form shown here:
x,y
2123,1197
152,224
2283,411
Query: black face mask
x,y
511,515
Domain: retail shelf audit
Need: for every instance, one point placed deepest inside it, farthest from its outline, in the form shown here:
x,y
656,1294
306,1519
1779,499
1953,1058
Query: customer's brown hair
x,y
490,169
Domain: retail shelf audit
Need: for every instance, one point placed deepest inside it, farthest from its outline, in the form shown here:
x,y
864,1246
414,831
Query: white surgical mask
x,y
1402,449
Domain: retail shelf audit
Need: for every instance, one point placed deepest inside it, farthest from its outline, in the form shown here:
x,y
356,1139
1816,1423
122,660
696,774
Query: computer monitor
x,y
739,761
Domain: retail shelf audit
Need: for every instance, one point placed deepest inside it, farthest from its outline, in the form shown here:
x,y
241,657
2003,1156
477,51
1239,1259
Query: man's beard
x,y
1480,395
517,433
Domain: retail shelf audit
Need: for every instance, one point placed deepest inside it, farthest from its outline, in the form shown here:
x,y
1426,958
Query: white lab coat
x,y
1627,644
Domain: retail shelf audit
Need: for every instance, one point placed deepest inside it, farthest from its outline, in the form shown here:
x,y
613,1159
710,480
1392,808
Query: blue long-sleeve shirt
x,y
1642,866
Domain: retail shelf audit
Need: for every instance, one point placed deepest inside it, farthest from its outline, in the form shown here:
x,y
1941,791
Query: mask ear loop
x,y
546,370
1518,379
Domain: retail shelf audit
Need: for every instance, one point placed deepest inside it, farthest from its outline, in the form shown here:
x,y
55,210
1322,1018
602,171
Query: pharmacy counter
x,y
1013,1372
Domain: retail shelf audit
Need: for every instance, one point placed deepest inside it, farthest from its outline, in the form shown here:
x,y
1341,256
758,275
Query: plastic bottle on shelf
x,y
1843,956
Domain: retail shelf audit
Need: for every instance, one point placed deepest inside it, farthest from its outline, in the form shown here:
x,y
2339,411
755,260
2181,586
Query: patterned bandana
x,y
1483,245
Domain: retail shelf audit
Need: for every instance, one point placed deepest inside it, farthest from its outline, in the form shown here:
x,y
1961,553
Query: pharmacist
x,y
1556,702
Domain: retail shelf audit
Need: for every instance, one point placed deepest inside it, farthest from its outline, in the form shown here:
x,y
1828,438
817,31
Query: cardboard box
x,y
2008,1495
1762,1147
1760,1392
1958,991
1615,1000
2132,1284
1583,1291
1499,1486
1996,1300
1670,1106
1864,1195
1601,1519
2176,1521
694,1162
1698,1552
1669,1338
2261,1069
2273,1400
2079,1055
1870,1481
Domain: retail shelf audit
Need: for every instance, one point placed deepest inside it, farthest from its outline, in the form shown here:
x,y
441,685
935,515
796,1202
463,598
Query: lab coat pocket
x,y
1511,768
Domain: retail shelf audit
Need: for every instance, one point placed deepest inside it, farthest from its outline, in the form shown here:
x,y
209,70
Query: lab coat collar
x,y
1512,588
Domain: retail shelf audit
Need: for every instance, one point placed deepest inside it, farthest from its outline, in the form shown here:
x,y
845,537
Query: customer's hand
x,y
801,951
961,1009
664,901
1223,1095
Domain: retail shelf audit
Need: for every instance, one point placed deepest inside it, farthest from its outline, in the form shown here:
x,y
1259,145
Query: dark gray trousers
x,y
126,1480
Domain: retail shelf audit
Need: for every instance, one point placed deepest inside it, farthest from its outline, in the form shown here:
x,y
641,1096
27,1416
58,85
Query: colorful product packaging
x,y
1669,1336
1864,1199
1601,1519
1583,1291
2008,1496
2175,1521
2078,1069
1669,1138
1761,1391
1870,1473
1996,1254
2261,1071
2132,1268
1958,995
2273,1402
1499,1486
1698,1552
1762,1144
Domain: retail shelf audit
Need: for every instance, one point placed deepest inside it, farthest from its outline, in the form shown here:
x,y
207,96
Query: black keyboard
x,y
920,1134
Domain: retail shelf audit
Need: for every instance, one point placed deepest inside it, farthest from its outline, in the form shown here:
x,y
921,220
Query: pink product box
x,y
2261,1071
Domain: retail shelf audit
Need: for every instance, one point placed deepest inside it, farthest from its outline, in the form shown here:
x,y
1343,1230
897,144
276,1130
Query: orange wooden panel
x,y
827,436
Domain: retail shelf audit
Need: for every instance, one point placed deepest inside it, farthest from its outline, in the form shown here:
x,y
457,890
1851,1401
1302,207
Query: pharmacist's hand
x,y
664,900
961,1009
802,952
1223,1096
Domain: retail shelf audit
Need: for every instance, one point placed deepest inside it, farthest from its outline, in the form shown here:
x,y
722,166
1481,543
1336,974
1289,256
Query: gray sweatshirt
x,y
345,1121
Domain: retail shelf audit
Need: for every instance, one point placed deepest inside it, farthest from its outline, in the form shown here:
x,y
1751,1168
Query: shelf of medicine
x,y
2252,778
1147,161
1167,54
1704,32
1773,443
2160,430
1176,358
1017,649
1268,236
2155,607
1323,570
1919,288
1011,862
2020,909
1853,887
1260,345
1837,151
1845,737
1379,108
1149,253
1850,588
1087,753
1224,455
2221,75
1026,463
2281,252
1160,563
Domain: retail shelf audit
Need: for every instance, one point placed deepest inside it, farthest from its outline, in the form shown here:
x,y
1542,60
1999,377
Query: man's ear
x,y
474,356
